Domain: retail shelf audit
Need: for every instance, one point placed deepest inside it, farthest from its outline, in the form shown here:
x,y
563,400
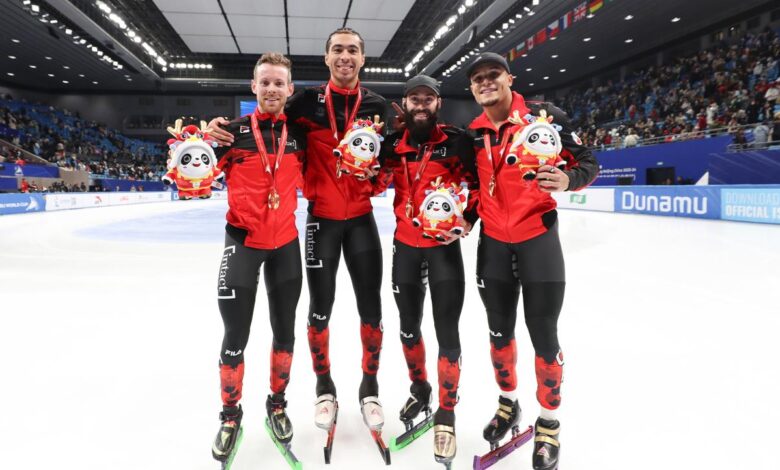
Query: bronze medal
x,y
492,185
409,209
273,199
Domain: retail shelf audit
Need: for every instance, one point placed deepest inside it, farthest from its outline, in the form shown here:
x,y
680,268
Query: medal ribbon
x,y
428,151
264,153
332,113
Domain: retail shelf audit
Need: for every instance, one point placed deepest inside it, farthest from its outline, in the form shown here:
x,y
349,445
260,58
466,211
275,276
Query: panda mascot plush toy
x,y
192,163
442,210
359,149
535,144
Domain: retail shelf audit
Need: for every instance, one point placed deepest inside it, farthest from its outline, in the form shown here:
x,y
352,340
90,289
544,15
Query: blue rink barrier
x,y
742,203
21,203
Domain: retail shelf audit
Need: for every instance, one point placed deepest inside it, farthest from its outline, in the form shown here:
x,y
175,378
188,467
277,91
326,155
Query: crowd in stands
x,y
64,139
733,84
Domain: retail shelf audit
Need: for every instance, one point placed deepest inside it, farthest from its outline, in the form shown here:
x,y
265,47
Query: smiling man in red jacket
x,y
519,247
262,169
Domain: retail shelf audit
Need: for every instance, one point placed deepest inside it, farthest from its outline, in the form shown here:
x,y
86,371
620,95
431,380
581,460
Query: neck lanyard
x,y
273,196
489,150
420,169
332,114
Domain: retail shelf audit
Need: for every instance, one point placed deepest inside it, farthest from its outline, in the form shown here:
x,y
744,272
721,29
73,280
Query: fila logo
x,y
243,130
496,335
396,290
233,353
407,335
319,317
480,283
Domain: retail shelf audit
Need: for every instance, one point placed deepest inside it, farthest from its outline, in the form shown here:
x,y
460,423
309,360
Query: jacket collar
x,y
343,91
261,116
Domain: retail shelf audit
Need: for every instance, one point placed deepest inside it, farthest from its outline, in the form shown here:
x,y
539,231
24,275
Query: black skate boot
x,y
280,424
229,433
546,445
507,416
419,400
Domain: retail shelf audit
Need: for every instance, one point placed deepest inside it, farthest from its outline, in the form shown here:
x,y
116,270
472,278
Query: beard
x,y
420,130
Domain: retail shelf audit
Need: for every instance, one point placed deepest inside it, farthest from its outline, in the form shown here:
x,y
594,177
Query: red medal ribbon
x,y
332,113
420,169
273,197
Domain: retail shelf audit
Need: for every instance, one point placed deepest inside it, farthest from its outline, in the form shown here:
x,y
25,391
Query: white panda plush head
x,y
541,138
192,151
363,143
439,205
194,159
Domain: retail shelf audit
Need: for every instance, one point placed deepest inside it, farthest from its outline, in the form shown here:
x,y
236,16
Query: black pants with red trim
x,y
236,291
358,239
440,267
536,267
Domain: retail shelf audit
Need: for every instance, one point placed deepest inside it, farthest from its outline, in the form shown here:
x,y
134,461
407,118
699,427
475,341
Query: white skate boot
x,y
372,413
325,411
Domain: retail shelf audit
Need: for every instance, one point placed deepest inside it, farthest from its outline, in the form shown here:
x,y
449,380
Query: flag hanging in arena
x,y
580,11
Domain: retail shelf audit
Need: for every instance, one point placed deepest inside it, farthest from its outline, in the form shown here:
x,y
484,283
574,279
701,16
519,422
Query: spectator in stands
x,y
632,139
739,138
760,135
776,128
24,186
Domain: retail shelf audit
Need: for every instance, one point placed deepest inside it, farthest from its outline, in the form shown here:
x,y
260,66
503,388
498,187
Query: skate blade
x,y
383,450
398,443
328,449
284,449
446,461
500,452
229,462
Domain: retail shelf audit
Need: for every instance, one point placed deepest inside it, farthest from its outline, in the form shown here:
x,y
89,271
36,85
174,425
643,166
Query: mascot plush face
x,y
542,139
439,206
363,145
194,160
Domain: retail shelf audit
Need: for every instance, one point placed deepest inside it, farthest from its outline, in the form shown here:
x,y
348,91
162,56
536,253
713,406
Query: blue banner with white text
x,y
701,202
21,203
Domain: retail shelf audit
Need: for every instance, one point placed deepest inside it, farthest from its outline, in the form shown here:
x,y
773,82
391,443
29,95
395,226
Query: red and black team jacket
x,y
249,217
452,159
331,197
518,210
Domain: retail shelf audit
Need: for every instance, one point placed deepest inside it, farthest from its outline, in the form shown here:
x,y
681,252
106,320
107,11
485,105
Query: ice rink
x,y
110,335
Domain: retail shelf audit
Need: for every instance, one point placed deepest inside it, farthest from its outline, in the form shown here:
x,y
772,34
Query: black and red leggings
x,y
358,238
440,267
535,266
236,290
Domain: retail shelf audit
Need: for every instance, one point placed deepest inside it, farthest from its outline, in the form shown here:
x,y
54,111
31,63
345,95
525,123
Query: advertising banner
x,y
21,203
700,202
591,199
751,204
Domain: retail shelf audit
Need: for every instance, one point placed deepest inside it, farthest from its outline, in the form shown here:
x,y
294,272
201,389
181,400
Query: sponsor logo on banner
x,y
21,203
684,201
751,205
594,199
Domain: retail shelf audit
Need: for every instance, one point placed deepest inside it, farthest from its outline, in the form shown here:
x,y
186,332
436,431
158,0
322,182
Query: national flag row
x,y
579,13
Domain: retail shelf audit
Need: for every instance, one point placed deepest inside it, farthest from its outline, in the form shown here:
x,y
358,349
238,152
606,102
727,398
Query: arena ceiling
x,y
210,46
